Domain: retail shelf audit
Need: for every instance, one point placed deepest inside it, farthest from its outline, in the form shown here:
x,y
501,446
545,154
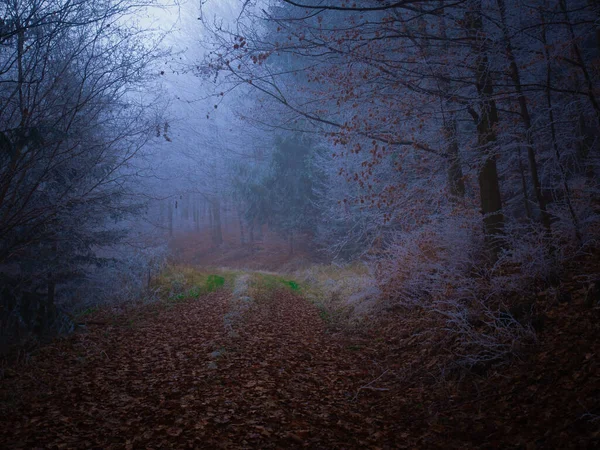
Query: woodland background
x,y
449,148
291,223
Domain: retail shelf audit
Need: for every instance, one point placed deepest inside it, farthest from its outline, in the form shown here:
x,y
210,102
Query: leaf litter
x,y
177,377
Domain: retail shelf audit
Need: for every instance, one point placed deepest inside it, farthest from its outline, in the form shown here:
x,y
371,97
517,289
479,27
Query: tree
x,y
69,130
399,81
282,191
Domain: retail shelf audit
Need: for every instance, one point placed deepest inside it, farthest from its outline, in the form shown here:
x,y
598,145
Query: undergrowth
x,y
263,285
344,295
178,283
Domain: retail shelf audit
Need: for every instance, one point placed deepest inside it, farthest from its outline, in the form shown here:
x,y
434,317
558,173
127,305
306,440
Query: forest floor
x,y
243,360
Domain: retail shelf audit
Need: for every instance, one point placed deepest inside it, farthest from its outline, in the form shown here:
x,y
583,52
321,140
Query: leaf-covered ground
x,y
205,372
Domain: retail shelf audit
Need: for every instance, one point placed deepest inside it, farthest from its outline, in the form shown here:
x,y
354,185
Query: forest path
x,y
182,375
256,366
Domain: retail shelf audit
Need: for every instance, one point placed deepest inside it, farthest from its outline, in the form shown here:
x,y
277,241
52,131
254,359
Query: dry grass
x,y
345,295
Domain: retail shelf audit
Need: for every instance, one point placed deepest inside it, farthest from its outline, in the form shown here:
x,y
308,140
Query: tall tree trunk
x,y
524,186
170,218
486,120
162,213
51,289
196,212
217,232
589,83
50,303
241,222
563,172
526,117
185,206
456,180
16,147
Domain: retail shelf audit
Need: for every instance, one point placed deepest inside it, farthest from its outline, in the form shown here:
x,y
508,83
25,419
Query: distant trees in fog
x,y
491,102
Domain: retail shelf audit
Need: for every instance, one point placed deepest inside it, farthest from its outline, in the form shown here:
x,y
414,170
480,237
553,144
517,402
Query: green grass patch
x,y
182,283
179,283
293,285
214,282
211,284
265,284
177,297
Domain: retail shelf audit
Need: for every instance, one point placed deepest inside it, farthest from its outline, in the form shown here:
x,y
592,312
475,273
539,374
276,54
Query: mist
x,y
361,225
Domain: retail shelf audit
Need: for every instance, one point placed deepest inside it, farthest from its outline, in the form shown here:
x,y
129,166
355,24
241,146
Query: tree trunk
x,y
50,306
456,180
15,147
526,117
217,232
589,83
170,218
524,186
561,167
162,213
487,119
185,205
241,222
196,215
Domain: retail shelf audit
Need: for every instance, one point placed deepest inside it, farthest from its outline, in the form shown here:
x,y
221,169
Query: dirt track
x,y
181,375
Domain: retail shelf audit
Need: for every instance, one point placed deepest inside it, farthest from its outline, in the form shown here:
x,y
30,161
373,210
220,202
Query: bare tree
x,y
69,131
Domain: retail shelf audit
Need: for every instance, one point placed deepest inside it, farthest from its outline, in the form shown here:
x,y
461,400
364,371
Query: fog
x,y
212,123
435,158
